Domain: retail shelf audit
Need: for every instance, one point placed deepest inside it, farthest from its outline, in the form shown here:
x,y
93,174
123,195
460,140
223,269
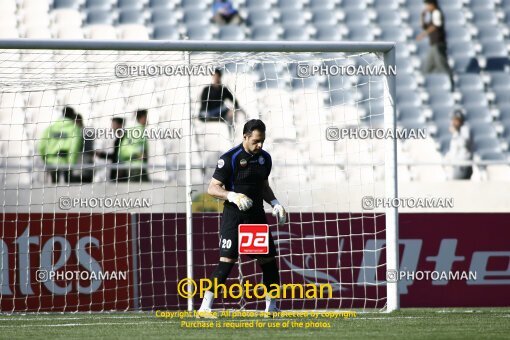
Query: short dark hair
x,y
252,125
141,113
458,114
218,72
68,112
431,2
118,120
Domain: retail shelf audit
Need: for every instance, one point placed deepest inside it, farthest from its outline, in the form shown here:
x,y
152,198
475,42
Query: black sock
x,y
270,273
222,272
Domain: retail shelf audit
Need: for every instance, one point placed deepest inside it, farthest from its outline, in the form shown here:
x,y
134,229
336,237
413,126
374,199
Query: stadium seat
x,y
477,5
504,113
265,33
466,64
74,4
494,49
130,4
437,82
361,33
454,18
196,17
322,4
258,4
259,17
161,4
442,113
296,33
500,80
286,5
354,4
408,98
324,17
443,98
474,98
194,4
468,82
482,129
497,64
487,145
166,32
293,17
410,113
99,17
131,16
197,32
98,4
101,32
458,34
165,16
406,82
388,17
451,4
461,49
303,83
502,97
485,17
490,33
67,18
478,114
357,18
231,32
394,34
133,32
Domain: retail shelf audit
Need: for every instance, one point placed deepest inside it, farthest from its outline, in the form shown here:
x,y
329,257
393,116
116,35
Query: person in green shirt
x,y
134,150
60,146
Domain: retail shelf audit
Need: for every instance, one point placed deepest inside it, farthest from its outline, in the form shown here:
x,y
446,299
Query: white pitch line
x,y
79,324
84,317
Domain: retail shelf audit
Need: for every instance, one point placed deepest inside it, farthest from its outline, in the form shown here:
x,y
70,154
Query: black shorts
x,y
229,232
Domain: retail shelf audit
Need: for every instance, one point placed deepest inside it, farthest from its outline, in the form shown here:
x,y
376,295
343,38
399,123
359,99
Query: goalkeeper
x,y
241,179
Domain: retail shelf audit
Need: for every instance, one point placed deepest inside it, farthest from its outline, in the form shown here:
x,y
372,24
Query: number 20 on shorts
x,y
253,239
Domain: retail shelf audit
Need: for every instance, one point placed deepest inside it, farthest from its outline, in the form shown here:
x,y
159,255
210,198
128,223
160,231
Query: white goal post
x,y
62,65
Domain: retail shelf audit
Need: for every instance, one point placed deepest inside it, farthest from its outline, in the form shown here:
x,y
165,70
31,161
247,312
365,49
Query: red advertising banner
x,y
65,262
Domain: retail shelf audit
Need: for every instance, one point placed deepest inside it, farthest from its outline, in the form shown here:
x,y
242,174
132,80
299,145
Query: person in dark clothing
x,y
432,20
115,174
213,98
85,158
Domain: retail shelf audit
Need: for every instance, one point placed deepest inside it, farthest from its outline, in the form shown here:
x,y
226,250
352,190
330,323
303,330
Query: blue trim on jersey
x,y
233,162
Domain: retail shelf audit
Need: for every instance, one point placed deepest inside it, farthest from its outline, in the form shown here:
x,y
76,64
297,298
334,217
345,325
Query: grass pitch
x,y
482,323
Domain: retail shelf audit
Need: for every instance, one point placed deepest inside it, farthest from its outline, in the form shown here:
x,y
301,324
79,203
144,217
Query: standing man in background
x,y
432,20
134,150
115,173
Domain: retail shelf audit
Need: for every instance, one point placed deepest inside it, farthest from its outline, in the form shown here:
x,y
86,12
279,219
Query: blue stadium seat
x,y
196,17
98,4
386,5
487,145
454,18
502,97
322,4
437,82
461,49
354,4
130,4
500,80
161,4
328,33
458,34
258,4
474,98
410,113
99,17
442,113
166,32
493,156
303,83
482,130
388,17
361,33
131,16
324,17
290,4
64,4
494,49
504,113
165,16
497,64
451,4
293,17
395,34
258,17
477,5
490,33
466,64
441,99
470,82
476,115
406,82
296,33
231,32
485,17
194,4
405,66
264,33
197,32
356,18
408,98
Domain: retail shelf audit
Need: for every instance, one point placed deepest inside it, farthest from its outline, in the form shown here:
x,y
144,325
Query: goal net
x,y
103,209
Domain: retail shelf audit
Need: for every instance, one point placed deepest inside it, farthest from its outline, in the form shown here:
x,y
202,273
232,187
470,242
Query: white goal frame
x,y
387,49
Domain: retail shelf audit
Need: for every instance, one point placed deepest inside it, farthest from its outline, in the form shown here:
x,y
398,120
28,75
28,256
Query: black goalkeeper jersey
x,y
244,173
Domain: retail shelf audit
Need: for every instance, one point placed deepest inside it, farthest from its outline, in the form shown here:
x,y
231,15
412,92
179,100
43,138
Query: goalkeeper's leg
x,y
221,274
271,277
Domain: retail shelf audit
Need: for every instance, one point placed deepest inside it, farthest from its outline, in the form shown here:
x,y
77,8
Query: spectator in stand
x,y
225,13
85,157
460,147
432,20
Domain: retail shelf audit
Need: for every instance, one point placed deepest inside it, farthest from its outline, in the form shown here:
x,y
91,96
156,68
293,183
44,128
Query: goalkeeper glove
x,y
279,212
241,200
